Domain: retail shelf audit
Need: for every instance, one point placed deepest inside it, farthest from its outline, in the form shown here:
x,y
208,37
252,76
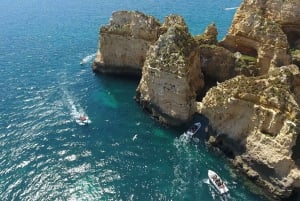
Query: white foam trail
x,y
184,138
87,59
206,181
183,165
76,111
230,8
134,137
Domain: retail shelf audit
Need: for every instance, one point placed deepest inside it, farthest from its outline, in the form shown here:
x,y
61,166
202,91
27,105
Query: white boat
x,y
216,180
83,120
193,129
87,59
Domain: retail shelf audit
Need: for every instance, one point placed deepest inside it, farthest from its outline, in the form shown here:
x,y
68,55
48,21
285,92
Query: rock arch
x,y
293,35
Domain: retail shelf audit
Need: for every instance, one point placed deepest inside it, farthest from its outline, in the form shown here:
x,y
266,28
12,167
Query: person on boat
x,y
218,182
214,177
82,118
193,128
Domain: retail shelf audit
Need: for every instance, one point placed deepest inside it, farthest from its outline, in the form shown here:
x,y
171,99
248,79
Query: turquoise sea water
x,y
123,154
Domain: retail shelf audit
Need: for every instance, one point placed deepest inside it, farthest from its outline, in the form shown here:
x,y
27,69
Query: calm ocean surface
x,y
45,155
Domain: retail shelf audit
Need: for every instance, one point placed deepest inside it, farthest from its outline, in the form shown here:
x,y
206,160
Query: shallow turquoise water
x,y
123,154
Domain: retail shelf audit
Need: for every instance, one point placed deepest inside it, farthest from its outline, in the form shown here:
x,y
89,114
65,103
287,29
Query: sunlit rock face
x,y
254,107
257,121
124,42
265,29
171,74
217,63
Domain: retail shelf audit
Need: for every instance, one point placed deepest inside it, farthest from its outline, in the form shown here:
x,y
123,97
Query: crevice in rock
x,y
294,196
266,172
293,36
247,50
209,83
296,151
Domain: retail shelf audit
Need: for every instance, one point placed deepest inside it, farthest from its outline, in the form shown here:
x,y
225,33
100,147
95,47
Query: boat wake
x,y
230,8
186,167
214,192
87,59
77,112
188,135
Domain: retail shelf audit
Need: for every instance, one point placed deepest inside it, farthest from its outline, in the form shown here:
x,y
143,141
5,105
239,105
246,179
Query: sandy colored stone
x,y
260,118
171,76
266,30
124,42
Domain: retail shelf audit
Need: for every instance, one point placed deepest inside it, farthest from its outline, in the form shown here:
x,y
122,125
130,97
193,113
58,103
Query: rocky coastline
x,y
247,85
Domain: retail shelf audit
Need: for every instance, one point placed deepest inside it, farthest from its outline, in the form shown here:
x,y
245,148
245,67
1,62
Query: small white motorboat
x,y
193,129
83,120
87,59
216,180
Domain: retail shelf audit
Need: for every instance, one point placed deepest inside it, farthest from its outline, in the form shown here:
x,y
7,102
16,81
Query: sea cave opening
x,y
293,37
247,50
209,82
296,152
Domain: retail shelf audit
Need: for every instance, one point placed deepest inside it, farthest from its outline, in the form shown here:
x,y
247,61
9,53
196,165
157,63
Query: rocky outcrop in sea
x,y
257,123
247,85
171,74
266,30
124,42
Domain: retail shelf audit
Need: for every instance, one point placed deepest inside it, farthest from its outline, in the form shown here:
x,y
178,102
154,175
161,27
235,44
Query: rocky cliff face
x,y
257,121
171,74
217,63
124,42
255,115
265,29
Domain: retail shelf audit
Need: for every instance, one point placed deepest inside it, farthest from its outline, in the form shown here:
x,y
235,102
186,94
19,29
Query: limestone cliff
x,y
171,74
265,29
123,43
257,121
217,63
256,118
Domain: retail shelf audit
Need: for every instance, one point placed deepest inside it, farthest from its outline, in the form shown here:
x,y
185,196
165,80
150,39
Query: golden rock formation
x,y
257,119
124,43
265,30
171,75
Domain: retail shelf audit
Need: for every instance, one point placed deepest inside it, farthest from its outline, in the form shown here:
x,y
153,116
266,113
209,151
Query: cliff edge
x,y
257,122
266,30
246,85
124,42
171,74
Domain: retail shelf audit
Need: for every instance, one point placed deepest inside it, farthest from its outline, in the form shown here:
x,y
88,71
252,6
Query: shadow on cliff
x,y
209,83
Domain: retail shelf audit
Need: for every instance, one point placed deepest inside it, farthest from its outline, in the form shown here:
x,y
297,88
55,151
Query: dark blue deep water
x,y
46,155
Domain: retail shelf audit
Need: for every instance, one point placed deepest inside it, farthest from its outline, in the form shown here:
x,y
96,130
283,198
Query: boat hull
x,y
217,182
83,122
194,129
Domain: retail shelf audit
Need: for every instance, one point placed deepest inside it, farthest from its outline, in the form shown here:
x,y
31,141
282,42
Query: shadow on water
x,y
186,164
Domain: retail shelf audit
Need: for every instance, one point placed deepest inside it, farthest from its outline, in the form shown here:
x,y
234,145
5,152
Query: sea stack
x,y
257,123
171,74
124,42
247,85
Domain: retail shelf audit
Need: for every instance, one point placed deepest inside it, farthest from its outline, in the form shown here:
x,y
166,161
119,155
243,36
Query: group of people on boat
x,y
218,181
